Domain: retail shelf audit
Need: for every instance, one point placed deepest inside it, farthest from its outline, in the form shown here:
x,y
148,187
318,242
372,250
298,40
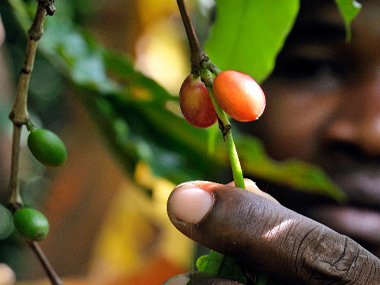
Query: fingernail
x,y
178,280
190,204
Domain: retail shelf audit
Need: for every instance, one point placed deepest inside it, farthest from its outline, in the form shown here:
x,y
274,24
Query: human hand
x,y
253,228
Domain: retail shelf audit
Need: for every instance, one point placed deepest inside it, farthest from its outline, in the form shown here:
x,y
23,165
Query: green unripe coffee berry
x,y
31,224
6,225
47,147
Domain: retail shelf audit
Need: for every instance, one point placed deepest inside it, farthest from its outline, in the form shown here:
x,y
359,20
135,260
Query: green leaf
x,y
348,9
224,266
248,35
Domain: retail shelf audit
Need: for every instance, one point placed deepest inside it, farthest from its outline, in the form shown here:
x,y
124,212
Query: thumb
x,y
267,236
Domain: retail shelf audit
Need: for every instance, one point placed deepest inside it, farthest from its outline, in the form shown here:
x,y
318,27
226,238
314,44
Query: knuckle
x,y
325,257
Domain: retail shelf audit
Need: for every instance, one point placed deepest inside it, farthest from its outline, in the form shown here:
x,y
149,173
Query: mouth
x,y
360,224
355,172
358,175
363,224
360,218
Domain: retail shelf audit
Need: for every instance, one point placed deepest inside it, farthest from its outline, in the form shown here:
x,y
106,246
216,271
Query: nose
x,y
356,118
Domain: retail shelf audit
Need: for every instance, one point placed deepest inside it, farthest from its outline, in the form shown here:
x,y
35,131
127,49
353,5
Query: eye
x,y
307,68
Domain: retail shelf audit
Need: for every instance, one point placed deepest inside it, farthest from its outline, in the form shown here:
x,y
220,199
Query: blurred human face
x,y
323,106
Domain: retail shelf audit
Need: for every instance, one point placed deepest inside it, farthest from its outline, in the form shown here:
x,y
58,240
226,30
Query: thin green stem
x,y
234,159
225,127
224,123
30,126
211,66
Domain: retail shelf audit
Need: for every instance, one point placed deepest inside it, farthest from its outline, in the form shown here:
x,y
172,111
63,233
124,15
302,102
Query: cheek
x,y
292,124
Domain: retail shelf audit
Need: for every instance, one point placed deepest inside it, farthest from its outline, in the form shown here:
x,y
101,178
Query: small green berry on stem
x,y
195,103
47,147
31,224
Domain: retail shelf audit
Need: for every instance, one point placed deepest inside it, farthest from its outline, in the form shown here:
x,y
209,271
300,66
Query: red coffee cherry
x,y
195,103
239,95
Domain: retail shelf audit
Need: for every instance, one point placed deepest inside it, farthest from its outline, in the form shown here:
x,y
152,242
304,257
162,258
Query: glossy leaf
x,y
248,35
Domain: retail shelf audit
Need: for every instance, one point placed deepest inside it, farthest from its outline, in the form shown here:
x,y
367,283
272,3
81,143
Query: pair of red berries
x,y
237,94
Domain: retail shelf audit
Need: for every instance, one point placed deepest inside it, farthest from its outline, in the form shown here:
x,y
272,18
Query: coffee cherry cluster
x,y
238,94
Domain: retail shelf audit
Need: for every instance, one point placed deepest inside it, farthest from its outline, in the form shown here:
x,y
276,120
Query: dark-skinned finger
x,y
269,237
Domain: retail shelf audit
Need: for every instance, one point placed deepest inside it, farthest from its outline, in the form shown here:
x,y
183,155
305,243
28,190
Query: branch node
x,y
50,10
26,70
224,128
19,118
197,62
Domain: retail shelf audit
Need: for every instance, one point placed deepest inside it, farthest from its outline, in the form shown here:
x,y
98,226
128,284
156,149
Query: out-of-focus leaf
x,y
151,132
213,133
248,35
21,12
6,225
296,174
348,9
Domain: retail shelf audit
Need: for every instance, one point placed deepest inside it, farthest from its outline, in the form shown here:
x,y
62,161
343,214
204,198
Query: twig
x,y
19,113
55,280
196,52
19,116
15,200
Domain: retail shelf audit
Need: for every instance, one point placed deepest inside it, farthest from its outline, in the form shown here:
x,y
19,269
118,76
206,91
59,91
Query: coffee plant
x,y
217,71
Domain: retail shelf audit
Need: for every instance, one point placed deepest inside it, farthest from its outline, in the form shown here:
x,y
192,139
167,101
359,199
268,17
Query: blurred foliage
x,y
6,225
138,118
